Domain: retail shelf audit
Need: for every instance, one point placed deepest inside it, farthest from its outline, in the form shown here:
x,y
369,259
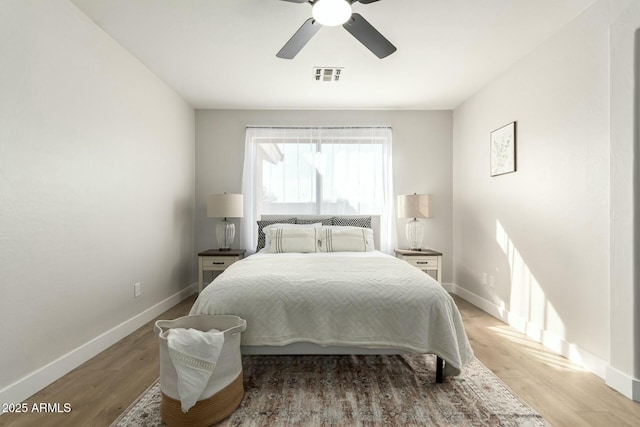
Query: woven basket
x,y
205,412
224,391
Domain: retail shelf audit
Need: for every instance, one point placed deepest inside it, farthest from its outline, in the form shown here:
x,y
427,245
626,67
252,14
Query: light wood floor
x,y
564,394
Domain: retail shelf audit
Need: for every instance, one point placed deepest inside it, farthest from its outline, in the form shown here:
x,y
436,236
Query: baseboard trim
x,y
623,383
39,379
550,340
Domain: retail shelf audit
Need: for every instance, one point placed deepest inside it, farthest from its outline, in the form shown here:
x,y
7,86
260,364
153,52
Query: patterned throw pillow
x,y
364,222
324,221
263,223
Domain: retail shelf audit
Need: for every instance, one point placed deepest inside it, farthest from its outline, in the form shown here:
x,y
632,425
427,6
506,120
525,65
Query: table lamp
x,y
225,206
414,206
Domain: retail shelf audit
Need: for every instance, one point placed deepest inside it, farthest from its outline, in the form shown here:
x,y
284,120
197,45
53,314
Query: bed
x,y
336,301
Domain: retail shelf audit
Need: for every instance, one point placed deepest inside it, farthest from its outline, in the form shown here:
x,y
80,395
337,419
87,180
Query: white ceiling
x,y
221,53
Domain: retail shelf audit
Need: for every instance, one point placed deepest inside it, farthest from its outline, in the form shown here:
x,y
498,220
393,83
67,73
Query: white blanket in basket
x,y
194,355
370,300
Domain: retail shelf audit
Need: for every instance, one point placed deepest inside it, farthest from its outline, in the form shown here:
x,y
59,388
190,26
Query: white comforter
x,y
370,300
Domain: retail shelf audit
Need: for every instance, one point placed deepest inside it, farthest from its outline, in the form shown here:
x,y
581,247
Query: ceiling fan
x,y
334,13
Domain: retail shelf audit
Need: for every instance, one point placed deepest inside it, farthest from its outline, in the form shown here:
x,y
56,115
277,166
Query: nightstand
x,y
216,260
426,260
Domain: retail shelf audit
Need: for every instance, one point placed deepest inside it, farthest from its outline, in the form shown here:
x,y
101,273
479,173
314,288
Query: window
x,y
317,171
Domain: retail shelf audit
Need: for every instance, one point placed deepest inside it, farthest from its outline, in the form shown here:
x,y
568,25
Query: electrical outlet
x,y
492,282
484,279
137,291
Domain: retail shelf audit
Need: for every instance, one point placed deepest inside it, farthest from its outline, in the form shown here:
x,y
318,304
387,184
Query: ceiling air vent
x,y
327,74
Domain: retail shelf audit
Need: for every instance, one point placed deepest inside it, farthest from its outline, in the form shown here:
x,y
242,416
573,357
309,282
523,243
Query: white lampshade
x,y
331,12
414,206
225,206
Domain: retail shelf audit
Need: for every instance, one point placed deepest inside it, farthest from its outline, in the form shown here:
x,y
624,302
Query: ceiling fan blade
x,y
299,39
361,1
366,34
305,1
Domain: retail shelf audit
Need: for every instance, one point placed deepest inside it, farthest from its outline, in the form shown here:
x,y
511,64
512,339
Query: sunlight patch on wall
x,y
527,298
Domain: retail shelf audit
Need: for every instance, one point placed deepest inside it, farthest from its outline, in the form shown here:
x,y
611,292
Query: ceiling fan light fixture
x,y
331,13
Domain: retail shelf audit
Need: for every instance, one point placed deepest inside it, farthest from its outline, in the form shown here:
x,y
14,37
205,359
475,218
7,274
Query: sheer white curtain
x,y
318,171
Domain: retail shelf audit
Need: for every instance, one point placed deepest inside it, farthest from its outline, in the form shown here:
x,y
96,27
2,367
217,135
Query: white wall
x,y
96,188
624,371
421,160
543,232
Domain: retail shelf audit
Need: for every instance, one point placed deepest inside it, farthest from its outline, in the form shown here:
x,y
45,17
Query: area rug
x,y
396,390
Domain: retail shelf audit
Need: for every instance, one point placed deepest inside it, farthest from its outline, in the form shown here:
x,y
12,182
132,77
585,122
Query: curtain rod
x,y
318,127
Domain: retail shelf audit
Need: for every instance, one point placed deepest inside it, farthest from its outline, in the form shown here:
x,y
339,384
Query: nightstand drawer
x,y
221,262
429,261
423,262
216,260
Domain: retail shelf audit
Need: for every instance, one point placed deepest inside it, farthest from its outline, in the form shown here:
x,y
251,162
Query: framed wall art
x,y
503,150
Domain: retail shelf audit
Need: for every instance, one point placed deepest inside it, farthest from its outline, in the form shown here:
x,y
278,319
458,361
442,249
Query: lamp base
x,y
225,232
415,234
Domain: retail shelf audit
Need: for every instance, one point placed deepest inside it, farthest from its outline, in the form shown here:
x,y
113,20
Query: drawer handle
x,y
422,262
217,263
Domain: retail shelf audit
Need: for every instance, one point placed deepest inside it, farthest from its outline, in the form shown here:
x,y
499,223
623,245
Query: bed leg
x,y
439,370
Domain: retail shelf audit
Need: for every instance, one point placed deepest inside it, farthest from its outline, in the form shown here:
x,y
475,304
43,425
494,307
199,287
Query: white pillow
x,y
345,239
286,240
267,241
